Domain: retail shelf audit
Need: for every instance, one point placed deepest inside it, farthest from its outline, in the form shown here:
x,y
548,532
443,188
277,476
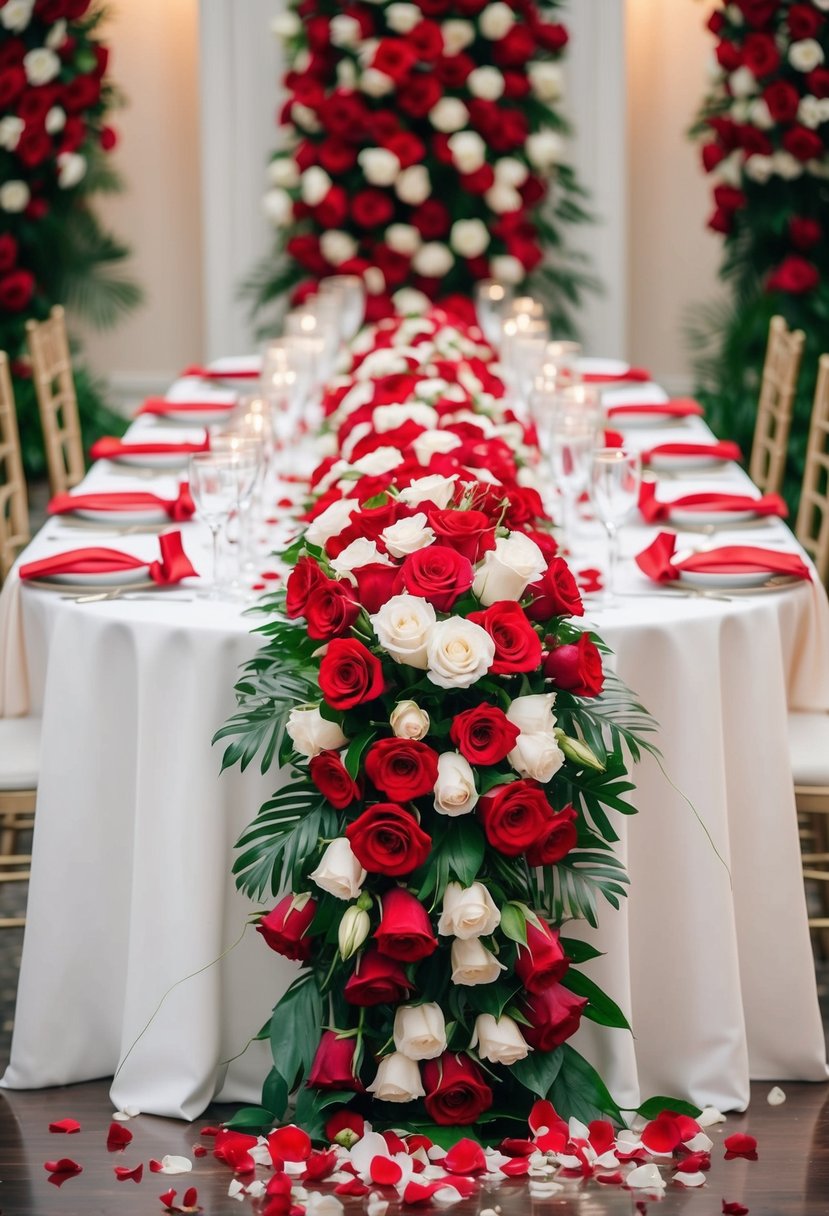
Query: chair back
x,y
774,407
57,403
812,526
14,506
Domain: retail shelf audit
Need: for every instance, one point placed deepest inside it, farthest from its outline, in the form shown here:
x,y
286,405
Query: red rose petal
x,y
517,1148
688,1127
384,1171
421,1192
553,1141
156,1167
168,1198
64,1165
413,1143
199,1150
601,1135
516,1168
283,502
662,1134
466,1157
210,1131
191,1198
353,1187
118,1137
733,1208
269,574
290,1144
319,1166
740,1144
68,1126
136,1174
614,1179
393,1142
694,1162
257,586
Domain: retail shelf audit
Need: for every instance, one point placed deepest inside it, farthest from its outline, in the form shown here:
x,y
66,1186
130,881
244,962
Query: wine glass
x,y
247,450
572,442
491,300
350,291
615,478
213,485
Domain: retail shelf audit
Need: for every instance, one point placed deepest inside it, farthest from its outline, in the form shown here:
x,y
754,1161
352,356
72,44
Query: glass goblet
x,y
572,442
213,486
615,479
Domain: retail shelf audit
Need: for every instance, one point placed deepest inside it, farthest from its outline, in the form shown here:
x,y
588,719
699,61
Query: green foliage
x,y
296,1025
579,1090
275,848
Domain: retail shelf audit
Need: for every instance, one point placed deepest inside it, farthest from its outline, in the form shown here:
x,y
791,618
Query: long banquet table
x,y
136,959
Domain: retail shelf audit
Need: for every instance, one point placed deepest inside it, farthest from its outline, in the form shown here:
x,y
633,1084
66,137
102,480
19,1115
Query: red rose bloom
x,y
711,155
34,147
427,40
818,82
437,574
375,584
333,780
12,84
542,962
758,13
285,928
803,143
514,816
333,209
804,233
721,221
333,1065
794,275
81,93
480,181
551,36
377,980
483,735
406,146
405,931
555,594
728,56
559,839
517,645
453,70
554,1016
395,57
431,219
760,54
402,769
419,95
331,610
729,197
349,674
303,580
8,251
456,1092
371,209
336,156
578,668
804,21
386,839
16,290
470,532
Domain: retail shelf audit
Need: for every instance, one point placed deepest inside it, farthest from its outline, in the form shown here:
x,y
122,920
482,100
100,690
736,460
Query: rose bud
x,y
311,734
405,931
455,792
554,1016
333,1064
353,930
339,872
498,1039
420,1031
286,926
577,668
473,964
456,1093
377,980
409,721
542,961
397,1080
468,912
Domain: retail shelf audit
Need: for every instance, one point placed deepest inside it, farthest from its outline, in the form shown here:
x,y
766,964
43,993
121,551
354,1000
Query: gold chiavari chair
x,y
774,407
812,526
14,506
56,399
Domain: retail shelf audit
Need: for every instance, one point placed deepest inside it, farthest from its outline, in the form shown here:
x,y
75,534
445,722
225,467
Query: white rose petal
x,y
468,912
55,120
11,128
339,872
403,238
502,198
304,117
409,721
172,1164
448,115
413,186
758,167
695,1179
381,460
375,83
408,535
390,417
286,25
545,149
71,169
344,31
402,18
458,653
431,442
805,55
361,552
397,1080
283,171
473,964
776,1096
404,626
408,301
810,112
507,269
468,151
420,1031
330,522
546,80
710,1115
278,207
311,734
508,569
457,35
455,792
337,246
743,82
485,82
533,714
434,488
499,1040
537,757
645,1176
510,171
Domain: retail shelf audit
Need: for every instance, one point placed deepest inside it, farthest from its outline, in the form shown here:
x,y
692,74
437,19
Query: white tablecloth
x,y
131,901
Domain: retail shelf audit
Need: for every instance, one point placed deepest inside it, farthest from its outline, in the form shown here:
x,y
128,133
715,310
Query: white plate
x,y
196,417
687,516
153,460
643,419
737,578
146,515
670,463
117,578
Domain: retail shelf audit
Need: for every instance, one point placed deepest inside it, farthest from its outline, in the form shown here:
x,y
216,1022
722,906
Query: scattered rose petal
x,y
662,1135
289,1144
190,1202
645,1176
319,1166
129,1112
118,1137
420,1192
236,1190
234,1148
517,1148
172,1164
740,1144
614,1179
447,1194
700,1143
516,1168
353,1187
775,1096
694,1162
269,575
466,1157
199,1150
710,1116
543,1190
155,1166
734,1208
384,1171
419,1142
281,502
393,1142
67,1126
323,1205
168,1198
210,1132
64,1165
135,1174
690,1179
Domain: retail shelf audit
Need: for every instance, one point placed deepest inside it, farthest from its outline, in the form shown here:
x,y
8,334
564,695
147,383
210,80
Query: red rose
x,y
427,40
721,221
510,131
387,839
560,838
456,1092
517,645
331,610
754,141
108,139
758,12
715,22
333,209
395,57
377,980
344,1120
375,584
81,93
349,674
285,928
794,275
16,290
333,1064
406,146
405,931
437,574
371,208
542,962
345,114
729,197
556,594
803,143
470,532
394,266
728,56
483,735
804,233
480,181
8,251
515,48
804,21
818,82
515,816
453,70
434,8
554,1016
419,95
711,154
760,54
516,84
336,156
12,84
303,580
333,780
431,219
34,147
305,249
551,36
578,668
402,769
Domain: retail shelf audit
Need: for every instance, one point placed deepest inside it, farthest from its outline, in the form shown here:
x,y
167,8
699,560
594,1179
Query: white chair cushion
x,y
809,748
19,753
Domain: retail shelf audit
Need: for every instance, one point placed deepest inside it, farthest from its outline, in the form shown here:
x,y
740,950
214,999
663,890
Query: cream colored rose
x,y
337,246
508,569
403,238
330,522
804,56
407,301
344,30
469,238
428,443
361,552
434,259
413,185
409,721
420,1031
546,80
390,417
449,115
402,18
397,1080
468,912
538,757
533,715
278,207
408,535
434,488
403,626
339,872
71,169
496,20
545,149
15,15
455,792
510,171
314,186
311,734
458,653
457,34
485,82
283,171
41,65
468,150
379,165
498,1039
507,269
375,83
473,964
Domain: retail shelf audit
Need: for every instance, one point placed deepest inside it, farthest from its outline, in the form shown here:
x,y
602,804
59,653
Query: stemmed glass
x,y
492,299
573,431
615,479
213,484
247,450
349,290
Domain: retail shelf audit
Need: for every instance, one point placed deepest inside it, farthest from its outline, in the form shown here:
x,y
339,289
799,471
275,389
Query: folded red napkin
x,y
206,373
614,439
632,374
722,449
172,566
110,448
161,406
680,407
179,509
653,511
657,560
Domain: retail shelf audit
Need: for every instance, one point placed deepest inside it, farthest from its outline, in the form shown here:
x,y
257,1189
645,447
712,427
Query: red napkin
x,y
172,566
110,448
723,449
653,511
614,439
632,374
180,509
680,407
161,406
206,373
657,560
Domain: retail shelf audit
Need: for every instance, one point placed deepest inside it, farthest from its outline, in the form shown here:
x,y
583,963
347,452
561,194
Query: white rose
x,y
71,169
420,1031
455,792
278,207
16,15
344,31
339,872
448,115
11,128
759,114
361,552
533,714
397,1080
286,25
409,721
545,149
785,165
376,83
330,522
337,246
380,166
457,34
495,21
403,627
499,1040
743,82
410,302
374,281
428,443
434,488
508,569
810,112
403,238
14,195
315,186
352,931
367,50
57,35
502,198
303,116
468,151
473,964
485,82
408,535
390,417
507,269
283,171
469,238
434,259
759,168
546,80
41,65
311,734
55,120
510,171
468,912
804,56
537,756
458,653
413,185
402,18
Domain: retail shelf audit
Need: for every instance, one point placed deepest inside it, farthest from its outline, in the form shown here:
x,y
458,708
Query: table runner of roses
x,y
452,752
